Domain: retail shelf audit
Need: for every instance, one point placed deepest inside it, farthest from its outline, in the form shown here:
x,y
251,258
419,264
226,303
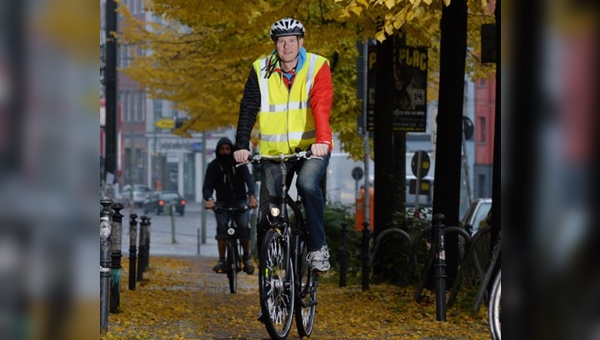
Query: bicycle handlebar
x,y
231,209
298,155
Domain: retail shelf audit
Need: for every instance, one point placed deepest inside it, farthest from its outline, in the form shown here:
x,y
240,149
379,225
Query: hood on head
x,y
223,140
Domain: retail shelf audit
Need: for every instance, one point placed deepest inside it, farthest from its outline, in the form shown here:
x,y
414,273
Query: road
x,y
187,233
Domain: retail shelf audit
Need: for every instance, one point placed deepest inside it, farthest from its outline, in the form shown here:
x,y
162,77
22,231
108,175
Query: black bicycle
x,y
495,308
233,257
286,285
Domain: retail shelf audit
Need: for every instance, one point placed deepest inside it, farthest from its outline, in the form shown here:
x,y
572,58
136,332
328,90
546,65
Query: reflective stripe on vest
x,y
286,121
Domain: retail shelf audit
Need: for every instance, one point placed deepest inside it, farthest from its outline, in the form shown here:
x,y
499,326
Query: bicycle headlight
x,y
275,211
230,231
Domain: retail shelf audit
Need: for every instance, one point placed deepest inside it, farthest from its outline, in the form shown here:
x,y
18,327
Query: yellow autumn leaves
x,y
396,13
181,298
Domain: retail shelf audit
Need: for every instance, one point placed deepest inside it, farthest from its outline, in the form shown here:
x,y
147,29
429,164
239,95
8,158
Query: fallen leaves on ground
x,y
182,298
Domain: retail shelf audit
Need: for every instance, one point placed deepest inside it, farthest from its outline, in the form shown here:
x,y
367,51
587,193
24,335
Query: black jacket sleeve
x,y
249,108
208,186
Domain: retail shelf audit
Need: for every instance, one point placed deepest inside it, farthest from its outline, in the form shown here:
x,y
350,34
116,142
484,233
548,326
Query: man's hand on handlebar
x,y
319,149
241,156
209,205
252,202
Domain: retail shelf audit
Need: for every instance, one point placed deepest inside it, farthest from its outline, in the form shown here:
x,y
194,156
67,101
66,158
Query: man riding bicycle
x,y
292,92
235,188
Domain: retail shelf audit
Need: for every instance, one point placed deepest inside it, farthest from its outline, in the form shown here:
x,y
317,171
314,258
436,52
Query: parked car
x,y
159,202
477,212
139,191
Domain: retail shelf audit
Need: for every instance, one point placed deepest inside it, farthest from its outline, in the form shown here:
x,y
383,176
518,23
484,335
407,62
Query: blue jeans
x,y
241,220
310,172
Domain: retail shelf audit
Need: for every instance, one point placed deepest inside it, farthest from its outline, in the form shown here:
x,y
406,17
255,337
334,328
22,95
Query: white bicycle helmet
x,y
286,27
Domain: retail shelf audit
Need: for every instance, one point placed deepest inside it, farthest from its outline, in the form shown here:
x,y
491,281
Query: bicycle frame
x,y
289,237
234,246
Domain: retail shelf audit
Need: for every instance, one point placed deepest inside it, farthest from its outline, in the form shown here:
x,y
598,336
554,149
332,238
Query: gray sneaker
x,y
318,260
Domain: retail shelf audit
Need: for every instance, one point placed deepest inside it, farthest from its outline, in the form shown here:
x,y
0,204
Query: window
x,y
158,108
143,106
126,106
482,130
134,105
481,186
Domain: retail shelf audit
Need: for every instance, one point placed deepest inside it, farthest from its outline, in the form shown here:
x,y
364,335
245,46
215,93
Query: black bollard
x,y
439,231
132,249
146,224
343,256
115,253
105,229
365,255
172,213
142,248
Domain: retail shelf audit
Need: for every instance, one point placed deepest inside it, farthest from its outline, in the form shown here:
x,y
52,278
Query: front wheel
x,y
494,311
231,266
306,293
276,285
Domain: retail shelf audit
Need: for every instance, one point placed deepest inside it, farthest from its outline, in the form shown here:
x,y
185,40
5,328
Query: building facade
x,y
485,117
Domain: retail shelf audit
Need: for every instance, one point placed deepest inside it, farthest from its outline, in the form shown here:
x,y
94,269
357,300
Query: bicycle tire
x,y
480,236
470,262
483,293
276,285
495,309
306,291
231,266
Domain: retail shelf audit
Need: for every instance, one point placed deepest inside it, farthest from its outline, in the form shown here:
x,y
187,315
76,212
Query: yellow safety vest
x,y
286,121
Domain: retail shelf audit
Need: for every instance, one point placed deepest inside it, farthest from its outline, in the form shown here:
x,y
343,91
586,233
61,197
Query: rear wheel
x,y
495,309
306,293
276,285
231,266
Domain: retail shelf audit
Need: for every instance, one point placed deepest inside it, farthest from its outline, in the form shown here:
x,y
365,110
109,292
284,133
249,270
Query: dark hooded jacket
x,y
230,182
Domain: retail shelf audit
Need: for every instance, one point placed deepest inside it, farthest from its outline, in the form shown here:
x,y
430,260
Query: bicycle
x,y
483,286
475,258
286,285
494,309
494,306
233,250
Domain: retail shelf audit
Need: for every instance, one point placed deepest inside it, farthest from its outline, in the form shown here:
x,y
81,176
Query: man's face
x,y
225,149
288,47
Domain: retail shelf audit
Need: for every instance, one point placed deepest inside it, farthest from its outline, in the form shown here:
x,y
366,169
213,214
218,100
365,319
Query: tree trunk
x,y
446,196
383,141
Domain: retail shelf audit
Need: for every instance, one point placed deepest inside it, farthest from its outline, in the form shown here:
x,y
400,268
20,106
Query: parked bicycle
x,y
495,309
493,274
286,285
233,251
